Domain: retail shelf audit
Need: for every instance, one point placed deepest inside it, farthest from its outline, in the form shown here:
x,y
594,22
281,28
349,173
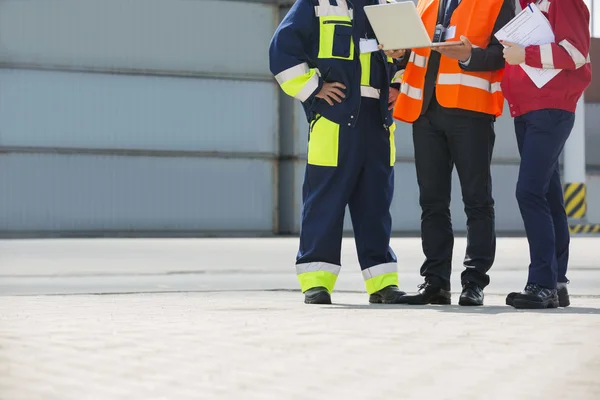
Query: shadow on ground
x,y
455,309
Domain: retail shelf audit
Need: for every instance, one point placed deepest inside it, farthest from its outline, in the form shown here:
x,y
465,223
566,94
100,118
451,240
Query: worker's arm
x,y
288,55
491,58
570,21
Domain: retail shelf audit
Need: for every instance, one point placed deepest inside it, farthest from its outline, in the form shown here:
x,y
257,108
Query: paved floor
x,y
184,331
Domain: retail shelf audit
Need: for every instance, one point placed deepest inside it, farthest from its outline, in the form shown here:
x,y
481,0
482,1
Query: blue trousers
x,y
362,179
541,136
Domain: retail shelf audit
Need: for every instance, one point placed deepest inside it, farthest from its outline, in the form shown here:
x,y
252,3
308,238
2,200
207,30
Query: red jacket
x,y
570,20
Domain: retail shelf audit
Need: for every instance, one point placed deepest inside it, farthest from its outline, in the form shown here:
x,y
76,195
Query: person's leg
x,y
556,201
434,175
329,180
471,143
545,136
370,206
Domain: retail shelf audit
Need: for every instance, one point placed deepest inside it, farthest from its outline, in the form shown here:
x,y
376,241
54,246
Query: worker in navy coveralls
x,y
324,54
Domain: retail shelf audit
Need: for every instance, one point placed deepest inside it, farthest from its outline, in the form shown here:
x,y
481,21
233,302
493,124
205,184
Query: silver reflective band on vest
x,y
368,91
412,92
325,9
469,81
291,73
379,270
318,266
419,61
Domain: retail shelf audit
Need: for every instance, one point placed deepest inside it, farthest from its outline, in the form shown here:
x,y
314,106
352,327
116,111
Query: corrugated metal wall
x,y
155,115
137,115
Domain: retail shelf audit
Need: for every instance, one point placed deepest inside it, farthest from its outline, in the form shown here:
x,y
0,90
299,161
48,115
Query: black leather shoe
x,y
563,296
535,297
428,294
472,295
388,295
317,295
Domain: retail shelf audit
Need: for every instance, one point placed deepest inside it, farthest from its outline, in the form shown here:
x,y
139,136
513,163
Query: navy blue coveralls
x,y
351,149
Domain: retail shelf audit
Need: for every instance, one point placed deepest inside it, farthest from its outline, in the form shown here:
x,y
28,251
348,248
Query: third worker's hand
x,y
460,53
331,91
393,53
392,98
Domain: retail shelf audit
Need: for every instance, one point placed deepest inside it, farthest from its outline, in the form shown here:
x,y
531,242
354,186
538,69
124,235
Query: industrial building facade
x,y
161,117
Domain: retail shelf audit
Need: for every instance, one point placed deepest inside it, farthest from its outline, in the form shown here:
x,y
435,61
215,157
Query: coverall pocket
x,y
323,143
336,38
393,144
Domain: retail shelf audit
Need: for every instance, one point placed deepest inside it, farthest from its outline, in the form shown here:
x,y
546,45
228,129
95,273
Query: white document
x,y
530,27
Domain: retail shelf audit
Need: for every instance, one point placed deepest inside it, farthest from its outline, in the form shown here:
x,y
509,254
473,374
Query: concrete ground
x,y
219,319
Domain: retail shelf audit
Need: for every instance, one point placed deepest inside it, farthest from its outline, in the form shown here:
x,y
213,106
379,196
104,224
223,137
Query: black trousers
x,y
444,138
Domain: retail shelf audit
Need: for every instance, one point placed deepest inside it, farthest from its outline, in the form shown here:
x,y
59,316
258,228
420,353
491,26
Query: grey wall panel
x,y
406,213
592,135
75,193
182,35
65,109
593,199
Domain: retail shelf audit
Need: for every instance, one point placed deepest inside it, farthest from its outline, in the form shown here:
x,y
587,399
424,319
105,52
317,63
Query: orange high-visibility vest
x,y
455,88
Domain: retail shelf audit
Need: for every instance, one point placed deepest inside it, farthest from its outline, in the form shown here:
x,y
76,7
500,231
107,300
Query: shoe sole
x,y
469,303
321,298
525,304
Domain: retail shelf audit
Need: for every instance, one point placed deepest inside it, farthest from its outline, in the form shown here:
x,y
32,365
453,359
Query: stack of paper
x,y
530,27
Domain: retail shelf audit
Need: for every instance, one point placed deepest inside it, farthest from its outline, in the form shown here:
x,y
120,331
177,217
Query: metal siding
x,y
88,193
592,134
405,209
593,199
189,36
59,109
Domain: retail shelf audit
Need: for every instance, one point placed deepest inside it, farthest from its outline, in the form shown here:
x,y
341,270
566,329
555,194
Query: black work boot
x,y
317,295
563,296
387,295
428,294
535,296
472,295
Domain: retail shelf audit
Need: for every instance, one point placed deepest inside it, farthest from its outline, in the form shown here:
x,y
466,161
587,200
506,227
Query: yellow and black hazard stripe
x,y
585,228
575,203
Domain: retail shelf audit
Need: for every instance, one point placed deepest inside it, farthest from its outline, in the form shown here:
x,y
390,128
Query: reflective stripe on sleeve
x,y
575,54
546,56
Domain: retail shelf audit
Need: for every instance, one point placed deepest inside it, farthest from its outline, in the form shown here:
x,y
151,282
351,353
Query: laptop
x,y
398,26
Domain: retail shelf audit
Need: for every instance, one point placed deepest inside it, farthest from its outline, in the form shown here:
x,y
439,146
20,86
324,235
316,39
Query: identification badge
x,y
368,45
450,32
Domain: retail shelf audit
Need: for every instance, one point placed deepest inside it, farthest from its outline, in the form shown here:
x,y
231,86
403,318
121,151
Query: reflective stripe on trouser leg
x,y
317,274
380,276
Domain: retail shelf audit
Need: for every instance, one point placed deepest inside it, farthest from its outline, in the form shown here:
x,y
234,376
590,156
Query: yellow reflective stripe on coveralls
x,y
317,274
298,81
380,276
323,143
